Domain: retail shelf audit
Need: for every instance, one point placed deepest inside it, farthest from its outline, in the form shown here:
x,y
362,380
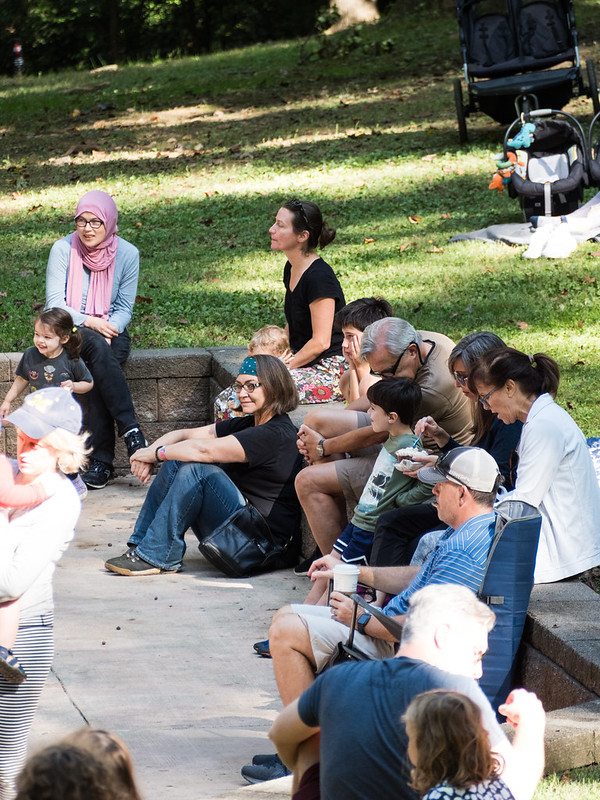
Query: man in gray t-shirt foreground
x,y
348,725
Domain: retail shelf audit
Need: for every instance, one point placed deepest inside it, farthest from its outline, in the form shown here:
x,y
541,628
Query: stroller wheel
x,y
460,112
593,84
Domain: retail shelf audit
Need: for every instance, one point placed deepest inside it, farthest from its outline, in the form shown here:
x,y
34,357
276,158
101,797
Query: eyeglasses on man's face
x,y
391,372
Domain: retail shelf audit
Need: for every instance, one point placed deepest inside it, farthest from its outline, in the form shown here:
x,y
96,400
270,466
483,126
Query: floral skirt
x,y
321,382
317,384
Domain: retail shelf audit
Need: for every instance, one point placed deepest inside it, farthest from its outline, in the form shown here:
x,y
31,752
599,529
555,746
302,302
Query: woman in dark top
x,y
313,296
211,472
398,532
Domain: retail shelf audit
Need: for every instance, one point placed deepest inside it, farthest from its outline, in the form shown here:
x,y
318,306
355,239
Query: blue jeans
x,y
183,495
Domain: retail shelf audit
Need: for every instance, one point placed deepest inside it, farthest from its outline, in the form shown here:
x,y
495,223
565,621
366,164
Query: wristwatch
x,y
362,622
320,450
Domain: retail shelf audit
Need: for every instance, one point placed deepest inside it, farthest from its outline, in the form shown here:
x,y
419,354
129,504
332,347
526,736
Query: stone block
x,y
572,737
171,363
226,362
144,394
4,368
13,362
183,400
555,686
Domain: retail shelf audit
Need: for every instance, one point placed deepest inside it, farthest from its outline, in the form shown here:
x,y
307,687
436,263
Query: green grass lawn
x,y
200,152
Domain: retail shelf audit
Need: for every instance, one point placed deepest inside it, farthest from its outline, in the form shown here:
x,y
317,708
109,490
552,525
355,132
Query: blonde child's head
x,y
269,341
447,742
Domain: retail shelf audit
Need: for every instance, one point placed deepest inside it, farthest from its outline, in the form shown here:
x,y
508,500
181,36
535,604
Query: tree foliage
x,y
66,33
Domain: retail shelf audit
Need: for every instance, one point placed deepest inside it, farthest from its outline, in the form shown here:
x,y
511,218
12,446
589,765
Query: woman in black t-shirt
x,y
313,296
212,471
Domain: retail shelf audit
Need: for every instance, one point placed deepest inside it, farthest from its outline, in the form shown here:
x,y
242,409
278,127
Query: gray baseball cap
x,y
47,410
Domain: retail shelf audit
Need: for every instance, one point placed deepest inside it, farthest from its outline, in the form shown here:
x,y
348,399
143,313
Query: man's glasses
x,y
247,387
94,224
484,398
297,206
461,378
391,372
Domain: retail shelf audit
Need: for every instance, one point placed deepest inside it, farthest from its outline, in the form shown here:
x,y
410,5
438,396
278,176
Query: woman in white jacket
x,y
554,471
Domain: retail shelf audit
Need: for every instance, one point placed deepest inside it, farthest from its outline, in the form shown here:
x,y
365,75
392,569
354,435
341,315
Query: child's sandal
x,y
10,668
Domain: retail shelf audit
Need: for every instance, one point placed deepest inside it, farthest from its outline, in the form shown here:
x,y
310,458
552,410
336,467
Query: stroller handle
x,y
541,112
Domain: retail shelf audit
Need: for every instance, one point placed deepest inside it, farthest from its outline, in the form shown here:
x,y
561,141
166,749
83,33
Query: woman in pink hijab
x,y
93,274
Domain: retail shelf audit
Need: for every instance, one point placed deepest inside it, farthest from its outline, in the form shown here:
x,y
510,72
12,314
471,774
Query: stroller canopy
x,y
504,37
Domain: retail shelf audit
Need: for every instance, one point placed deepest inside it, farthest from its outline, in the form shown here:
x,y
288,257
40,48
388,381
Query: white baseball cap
x,y
469,466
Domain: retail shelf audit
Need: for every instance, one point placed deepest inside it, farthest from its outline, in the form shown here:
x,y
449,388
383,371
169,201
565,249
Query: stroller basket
x,y
550,174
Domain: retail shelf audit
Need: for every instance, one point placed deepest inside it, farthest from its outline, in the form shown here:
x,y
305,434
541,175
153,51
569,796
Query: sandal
x,y
10,668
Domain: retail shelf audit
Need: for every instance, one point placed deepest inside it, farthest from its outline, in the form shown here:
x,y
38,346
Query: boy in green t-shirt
x,y
393,407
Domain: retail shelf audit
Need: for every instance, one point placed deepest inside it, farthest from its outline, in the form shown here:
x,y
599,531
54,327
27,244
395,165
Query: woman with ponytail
x,y
555,471
313,296
93,274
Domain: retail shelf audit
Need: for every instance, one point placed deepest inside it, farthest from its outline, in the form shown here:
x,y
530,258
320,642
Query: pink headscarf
x,y
100,260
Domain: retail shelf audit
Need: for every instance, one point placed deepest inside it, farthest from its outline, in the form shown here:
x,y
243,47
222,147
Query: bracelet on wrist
x,y
159,453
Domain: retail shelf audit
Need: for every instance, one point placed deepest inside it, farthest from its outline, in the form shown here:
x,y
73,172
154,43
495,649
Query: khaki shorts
x,y
325,633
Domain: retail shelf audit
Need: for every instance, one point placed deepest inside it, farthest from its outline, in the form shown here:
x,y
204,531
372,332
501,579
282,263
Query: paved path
x,y
165,661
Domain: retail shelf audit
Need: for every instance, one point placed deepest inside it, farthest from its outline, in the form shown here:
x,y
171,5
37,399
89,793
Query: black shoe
x,y
131,564
304,566
265,759
257,773
134,440
97,475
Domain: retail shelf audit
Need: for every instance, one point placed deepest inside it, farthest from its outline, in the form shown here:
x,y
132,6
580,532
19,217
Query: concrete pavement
x,y
164,661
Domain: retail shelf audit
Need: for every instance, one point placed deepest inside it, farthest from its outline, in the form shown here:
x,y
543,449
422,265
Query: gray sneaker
x,y
131,564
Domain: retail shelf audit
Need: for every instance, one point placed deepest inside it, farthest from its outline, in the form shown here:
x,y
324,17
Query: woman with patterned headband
x,y
211,472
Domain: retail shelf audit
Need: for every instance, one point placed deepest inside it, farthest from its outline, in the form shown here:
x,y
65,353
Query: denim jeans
x,y
109,401
183,495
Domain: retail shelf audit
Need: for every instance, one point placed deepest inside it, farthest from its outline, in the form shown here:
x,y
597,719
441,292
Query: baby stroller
x,y
512,48
550,163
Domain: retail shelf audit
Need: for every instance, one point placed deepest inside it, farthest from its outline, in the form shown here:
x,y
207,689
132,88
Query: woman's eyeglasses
x,y
484,398
247,387
461,378
94,224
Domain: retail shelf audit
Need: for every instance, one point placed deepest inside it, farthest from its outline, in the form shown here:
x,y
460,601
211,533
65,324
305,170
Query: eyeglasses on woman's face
x,y
484,398
94,223
248,387
461,378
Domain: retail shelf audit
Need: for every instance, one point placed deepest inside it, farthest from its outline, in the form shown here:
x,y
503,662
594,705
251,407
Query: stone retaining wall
x,y
170,389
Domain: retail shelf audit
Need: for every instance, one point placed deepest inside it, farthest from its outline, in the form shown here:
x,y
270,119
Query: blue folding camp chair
x,y
506,588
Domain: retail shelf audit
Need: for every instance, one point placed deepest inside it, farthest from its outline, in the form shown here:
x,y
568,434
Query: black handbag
x,y
243,545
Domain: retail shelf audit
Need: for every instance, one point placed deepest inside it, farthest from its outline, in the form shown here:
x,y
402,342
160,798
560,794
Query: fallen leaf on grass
x,y
33,209
368,240
435,249
404,247
414,220
522,325
587,279
570,405
595,253
446,216
141,299
429,157
488,270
